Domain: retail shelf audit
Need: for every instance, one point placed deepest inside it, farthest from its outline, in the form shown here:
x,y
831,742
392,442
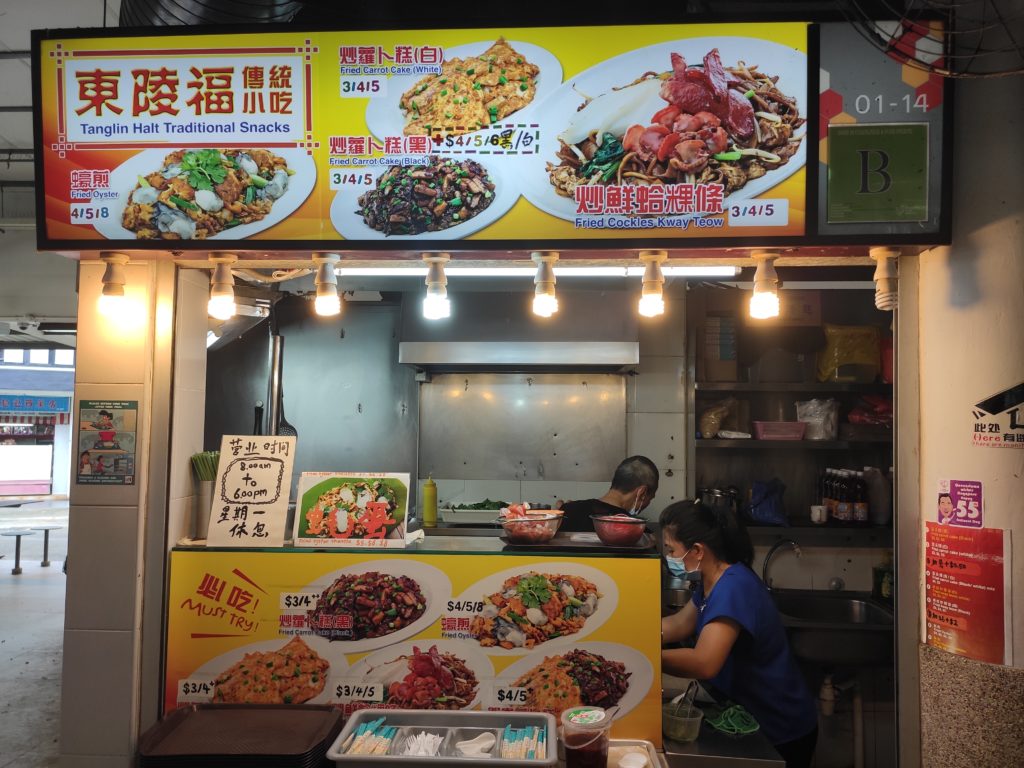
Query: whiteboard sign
x,y
250,506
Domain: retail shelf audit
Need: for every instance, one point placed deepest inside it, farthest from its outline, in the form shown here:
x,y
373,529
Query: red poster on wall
x,y
967,599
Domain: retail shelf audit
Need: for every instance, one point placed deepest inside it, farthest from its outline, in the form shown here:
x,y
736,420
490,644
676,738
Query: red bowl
x,y
618,530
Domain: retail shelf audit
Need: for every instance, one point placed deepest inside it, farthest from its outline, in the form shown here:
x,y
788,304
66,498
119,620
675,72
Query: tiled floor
x,y
31,638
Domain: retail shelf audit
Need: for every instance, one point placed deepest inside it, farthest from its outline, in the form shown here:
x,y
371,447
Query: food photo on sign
x,y
352,510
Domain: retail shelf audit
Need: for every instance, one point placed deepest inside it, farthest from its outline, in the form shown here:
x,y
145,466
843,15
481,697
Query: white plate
x,y
639,666
332,655
124,179
385,118
434,585
556,112
465,650
349,223
606,587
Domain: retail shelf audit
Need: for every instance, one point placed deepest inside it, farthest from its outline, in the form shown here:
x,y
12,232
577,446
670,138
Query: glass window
x,y
14,356
39,356
64,357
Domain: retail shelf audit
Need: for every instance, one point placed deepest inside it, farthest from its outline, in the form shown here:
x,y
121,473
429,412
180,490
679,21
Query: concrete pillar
x,y
970,332
111,527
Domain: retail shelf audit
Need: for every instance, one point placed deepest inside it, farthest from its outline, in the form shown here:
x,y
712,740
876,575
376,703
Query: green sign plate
x,y
878,172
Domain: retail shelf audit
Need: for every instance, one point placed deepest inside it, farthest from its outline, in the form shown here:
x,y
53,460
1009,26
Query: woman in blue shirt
x,y
741,646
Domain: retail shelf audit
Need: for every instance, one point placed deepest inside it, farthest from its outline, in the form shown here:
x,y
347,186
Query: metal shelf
x,y
810,535
738,386
802,445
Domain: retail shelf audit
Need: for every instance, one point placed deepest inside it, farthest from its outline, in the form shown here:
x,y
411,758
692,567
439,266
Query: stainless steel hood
x,y
452,356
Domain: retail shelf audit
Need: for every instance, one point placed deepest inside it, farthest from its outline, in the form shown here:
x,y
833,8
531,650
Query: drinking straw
x,y
205,464
542,741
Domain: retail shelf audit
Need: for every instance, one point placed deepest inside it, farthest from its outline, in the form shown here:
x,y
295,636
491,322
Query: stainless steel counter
x,y
713,749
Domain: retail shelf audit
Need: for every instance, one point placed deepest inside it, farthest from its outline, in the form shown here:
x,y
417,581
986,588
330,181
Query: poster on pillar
x,y
517,134
250,504
999,419
968,609
106,442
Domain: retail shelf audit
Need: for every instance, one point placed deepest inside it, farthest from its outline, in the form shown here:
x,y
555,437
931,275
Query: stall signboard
x,y
250,502
352,509
421,631
491,136
106,451
968,608
34,403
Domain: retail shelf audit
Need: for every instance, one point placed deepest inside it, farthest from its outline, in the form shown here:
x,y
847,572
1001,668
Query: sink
x,y
836,628
826,608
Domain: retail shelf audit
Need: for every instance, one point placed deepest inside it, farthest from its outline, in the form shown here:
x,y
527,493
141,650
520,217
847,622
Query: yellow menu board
x,y
422,631
488,135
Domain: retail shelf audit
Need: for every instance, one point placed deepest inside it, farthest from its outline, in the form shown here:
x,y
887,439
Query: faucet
x,y
771,553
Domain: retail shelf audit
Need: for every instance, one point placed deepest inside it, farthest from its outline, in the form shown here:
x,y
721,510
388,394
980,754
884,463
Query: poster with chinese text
x,y
967,592
250,502
105,452
410,630
667,132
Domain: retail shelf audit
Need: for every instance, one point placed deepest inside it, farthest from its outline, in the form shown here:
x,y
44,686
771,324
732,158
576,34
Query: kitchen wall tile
x,y
497,490
547,491
665,334
661,437
448,491
660,385
186,439
98,666
120,495
591,490
670,489
791,572
118,350
103,545
817,566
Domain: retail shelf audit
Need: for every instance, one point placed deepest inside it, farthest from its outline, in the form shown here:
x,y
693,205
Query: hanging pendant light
x,y
764,302
327,302
652,300
545,303
436,305
222,287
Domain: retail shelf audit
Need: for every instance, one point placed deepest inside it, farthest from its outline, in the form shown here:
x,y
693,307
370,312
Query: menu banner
x,y
420,631
490,135
968,610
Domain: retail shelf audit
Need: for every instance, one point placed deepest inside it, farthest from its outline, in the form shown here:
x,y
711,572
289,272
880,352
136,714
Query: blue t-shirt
x,y
759,672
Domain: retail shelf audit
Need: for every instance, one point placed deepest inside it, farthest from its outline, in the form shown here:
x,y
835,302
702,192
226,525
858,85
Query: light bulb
x,y
764,304
436,307
221,306
111,305
327,305
544,305
652,305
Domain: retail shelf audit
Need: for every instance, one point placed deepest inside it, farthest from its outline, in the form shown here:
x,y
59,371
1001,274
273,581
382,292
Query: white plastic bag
x,y
821,416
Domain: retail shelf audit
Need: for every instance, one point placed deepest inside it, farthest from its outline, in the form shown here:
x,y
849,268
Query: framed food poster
x,y
506,135
352,509
417,630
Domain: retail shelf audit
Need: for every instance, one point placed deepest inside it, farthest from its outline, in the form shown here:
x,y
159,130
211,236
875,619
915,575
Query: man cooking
x,y
633,487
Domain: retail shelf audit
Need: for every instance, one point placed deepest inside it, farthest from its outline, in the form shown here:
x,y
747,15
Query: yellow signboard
x,y
423,631
493,136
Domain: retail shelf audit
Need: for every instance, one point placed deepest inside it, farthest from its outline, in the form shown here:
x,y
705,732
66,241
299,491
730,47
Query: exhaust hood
x,y
508,356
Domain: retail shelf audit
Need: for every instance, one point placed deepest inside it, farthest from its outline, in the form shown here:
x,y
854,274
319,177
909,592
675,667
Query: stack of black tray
x,y
241,736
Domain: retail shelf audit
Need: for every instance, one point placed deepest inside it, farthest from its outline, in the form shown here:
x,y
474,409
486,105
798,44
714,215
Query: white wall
x,y
972,320
61,459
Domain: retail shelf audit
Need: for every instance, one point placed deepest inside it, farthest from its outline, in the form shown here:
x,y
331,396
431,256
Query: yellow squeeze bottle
x,y
429,503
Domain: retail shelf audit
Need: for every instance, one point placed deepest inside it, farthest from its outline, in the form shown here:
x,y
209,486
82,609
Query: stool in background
x,y
16,570
46,541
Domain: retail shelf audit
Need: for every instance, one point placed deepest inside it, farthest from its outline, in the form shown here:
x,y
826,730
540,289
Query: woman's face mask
x,y
677,566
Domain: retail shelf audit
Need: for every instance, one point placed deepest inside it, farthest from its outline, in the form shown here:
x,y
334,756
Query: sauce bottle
x,y
429,503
